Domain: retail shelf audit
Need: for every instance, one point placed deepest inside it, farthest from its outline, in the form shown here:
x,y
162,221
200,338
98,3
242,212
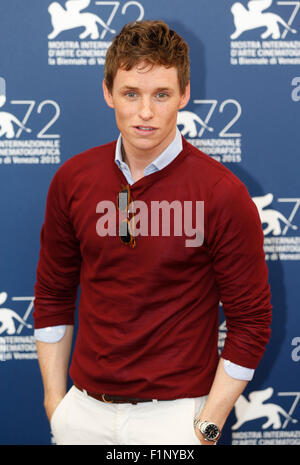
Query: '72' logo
x,y
212,106
31,104
115,7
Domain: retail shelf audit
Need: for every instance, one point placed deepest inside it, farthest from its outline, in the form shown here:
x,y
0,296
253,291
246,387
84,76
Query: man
x,y
146,368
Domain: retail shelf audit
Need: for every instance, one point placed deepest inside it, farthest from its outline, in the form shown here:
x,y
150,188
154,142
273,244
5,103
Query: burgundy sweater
x,y
148,316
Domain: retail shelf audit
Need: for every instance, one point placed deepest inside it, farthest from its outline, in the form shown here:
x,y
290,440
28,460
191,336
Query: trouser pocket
x,y
58,421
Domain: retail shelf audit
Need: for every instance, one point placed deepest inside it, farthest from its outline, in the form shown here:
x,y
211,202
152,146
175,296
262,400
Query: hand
x,y
202,440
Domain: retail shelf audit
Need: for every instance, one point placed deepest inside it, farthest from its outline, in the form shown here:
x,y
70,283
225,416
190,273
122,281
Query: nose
x,y
146,109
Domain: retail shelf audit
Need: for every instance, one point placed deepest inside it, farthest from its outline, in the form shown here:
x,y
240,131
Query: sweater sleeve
x,y
235,240
58,270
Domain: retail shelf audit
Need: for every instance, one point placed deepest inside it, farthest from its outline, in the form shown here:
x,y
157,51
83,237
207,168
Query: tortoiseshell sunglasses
x,y
125,227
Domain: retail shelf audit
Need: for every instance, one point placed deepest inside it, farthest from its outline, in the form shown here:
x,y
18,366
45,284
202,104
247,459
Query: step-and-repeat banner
x,y
244,112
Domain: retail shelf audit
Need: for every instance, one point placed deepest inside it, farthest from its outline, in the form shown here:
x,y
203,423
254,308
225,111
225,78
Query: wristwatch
x,y
209,430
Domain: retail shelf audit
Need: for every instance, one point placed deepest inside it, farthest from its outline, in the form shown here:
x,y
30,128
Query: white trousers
x,y
82,420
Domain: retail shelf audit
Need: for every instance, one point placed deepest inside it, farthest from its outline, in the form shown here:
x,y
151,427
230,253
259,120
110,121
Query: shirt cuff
x,y
237,371
50,334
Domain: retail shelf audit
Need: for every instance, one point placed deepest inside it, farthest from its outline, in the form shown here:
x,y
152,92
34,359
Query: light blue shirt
x,y
160,162
55,333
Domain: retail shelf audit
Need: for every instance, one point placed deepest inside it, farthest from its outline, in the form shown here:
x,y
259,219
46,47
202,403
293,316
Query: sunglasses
x,y
126,226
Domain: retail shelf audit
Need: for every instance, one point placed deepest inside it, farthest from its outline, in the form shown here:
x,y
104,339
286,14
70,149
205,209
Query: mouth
x,y
145,129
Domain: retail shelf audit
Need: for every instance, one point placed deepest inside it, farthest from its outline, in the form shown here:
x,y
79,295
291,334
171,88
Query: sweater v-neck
x,y
152,177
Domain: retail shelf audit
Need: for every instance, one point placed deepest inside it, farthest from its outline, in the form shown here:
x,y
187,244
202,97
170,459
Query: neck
x,y
138,160
136,165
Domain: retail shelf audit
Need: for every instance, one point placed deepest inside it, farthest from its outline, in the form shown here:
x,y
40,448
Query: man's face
x,y
146,102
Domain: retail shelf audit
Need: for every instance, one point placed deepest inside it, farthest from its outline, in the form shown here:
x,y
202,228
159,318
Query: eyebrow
x,y
158,89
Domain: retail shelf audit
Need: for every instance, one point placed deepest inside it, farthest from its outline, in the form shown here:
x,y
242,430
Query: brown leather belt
x,y
111,399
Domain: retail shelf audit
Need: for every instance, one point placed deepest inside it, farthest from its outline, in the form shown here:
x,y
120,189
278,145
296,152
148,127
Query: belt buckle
x,y
106,401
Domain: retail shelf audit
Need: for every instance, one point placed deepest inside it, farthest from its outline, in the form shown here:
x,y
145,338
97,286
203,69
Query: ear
x,y
107,95
185,96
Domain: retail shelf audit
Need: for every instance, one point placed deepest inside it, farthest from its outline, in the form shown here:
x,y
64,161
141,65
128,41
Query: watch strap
x,y
199,424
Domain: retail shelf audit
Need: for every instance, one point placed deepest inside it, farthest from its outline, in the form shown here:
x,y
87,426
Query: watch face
x,y
211,431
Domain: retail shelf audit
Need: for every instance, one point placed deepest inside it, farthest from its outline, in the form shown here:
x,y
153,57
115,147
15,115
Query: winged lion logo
x,y
255,17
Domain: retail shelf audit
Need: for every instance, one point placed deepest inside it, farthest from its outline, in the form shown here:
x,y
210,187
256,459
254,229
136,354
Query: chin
x,y
143,144
146,146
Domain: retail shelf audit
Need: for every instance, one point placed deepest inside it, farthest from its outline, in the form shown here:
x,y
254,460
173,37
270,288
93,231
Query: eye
x,y
162,95
131,94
